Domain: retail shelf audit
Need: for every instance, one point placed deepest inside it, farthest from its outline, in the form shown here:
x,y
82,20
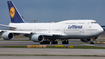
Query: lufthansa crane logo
x,y
12,12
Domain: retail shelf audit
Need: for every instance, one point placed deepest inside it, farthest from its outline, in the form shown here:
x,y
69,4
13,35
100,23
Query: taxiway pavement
x,y
48,57
49,51
25,43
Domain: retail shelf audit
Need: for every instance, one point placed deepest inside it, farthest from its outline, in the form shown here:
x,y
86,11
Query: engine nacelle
x,y
7,35
37,38
85,40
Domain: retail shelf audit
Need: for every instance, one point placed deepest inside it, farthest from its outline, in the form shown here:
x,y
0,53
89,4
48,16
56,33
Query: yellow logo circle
x,y
12,12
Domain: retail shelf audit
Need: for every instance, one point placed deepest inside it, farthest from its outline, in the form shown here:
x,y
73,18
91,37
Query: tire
x,y
54,42
91,42
62,42
41,42
65,42
48,42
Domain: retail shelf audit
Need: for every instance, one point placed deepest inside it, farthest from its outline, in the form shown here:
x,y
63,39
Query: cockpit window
x,y
93,22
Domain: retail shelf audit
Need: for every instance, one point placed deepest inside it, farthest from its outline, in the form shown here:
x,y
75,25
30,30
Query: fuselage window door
x,y
82,30
49,30
64,30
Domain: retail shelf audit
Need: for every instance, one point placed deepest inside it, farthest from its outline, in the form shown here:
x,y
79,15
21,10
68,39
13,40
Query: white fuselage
x,y
71,29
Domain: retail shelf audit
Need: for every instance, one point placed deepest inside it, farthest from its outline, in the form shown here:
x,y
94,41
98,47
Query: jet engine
x,y
37,38
7,35
85,40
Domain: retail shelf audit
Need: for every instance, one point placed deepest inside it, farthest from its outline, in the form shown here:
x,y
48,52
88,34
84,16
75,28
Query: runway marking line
x,y
88,45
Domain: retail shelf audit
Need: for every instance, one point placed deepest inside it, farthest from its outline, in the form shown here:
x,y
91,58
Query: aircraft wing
x,y
18,32
31,32
7,26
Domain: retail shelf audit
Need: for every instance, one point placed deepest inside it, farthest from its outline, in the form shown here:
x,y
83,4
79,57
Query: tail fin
x,y
14,14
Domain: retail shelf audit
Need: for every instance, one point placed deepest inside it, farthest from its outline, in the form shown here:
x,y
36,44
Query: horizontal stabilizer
x,y
7,26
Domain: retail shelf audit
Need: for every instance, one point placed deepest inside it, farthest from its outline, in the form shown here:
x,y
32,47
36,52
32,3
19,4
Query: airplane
x,y
86,30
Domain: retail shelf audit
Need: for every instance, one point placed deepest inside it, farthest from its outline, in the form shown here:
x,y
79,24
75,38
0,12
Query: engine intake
x,y
7,35
37,38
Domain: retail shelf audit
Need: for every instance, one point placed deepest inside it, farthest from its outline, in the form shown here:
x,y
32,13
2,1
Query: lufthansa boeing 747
x,y
46,33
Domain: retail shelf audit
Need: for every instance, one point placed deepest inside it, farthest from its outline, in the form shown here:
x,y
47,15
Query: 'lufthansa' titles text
x,y
74,27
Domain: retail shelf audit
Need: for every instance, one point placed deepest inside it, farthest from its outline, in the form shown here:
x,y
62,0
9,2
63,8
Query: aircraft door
x,y
82,30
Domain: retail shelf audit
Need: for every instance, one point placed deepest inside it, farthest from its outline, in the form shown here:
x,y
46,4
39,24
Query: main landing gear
x,y
54,42
45,42
48,42
65,42
91,42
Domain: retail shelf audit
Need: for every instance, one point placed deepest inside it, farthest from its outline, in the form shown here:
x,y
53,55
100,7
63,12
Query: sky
x,y
55,10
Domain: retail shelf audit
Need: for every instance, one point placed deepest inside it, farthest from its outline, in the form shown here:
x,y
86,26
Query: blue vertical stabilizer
x,y
14,14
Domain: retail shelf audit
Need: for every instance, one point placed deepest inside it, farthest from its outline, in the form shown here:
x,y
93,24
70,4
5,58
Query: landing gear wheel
x,y
41,42
91,42
54,42
65,42
48,42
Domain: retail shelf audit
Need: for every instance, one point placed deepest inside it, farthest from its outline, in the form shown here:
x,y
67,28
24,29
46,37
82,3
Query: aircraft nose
x,y
101,30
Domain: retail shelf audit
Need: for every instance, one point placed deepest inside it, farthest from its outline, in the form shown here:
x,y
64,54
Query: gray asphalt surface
x,y
48,57
52,51
49,51
25,43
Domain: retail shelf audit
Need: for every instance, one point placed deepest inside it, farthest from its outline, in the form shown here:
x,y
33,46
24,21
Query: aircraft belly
x,y
74,37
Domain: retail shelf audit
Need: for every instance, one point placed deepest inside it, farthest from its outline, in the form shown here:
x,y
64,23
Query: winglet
x,y
14,14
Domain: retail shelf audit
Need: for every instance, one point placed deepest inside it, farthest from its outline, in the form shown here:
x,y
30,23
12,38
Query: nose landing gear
x,y
92,41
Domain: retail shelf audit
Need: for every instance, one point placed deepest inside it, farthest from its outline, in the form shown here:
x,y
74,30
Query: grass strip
x,y
79,47
64,47
50,55
16,40
87,47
